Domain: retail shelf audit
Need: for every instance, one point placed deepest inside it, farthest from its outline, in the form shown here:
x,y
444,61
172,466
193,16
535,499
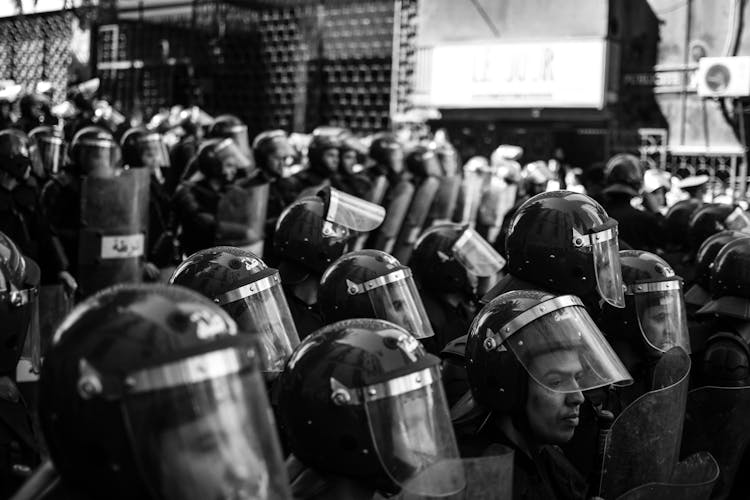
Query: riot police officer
x,y
231,127
530,355
184,151
19,446
373,284
47,149
364,411
250,292
323,156
149,392
448,261
146,149
310,235
35,111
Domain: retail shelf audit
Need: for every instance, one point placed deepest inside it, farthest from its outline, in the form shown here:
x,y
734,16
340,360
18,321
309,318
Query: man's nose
x,y
574,398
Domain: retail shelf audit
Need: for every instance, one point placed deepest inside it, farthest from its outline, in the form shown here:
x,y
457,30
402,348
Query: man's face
x,y
331,159
553,416
655,322
348,160
212,458
229,167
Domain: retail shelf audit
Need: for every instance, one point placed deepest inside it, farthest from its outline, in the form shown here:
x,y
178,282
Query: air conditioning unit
x,y
723,77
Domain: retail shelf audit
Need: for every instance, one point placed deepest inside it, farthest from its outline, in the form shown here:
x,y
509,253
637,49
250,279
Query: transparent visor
x,y
477,255
97,155
413,435
432,166
395,159
239,136
471,188
47,154
153,151
449,162
605,249
352,212
565,352
660,308
202,428
228,151
260,308
394,297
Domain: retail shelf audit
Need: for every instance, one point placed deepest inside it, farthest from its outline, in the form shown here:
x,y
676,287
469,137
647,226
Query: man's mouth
x,y
572,418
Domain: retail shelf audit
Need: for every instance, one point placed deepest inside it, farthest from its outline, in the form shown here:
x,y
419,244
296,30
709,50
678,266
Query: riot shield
x,y
487,478
496,201
445,200
114,226
240,210
415,219
716,421
54,305
693,479
400,199
643,444
469,196
378,190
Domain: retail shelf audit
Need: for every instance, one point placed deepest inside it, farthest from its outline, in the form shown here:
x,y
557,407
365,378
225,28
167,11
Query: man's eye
x,y
205,444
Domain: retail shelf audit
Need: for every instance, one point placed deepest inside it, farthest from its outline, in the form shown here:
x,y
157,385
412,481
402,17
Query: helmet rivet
x,y
340,397
418,379
489,344
541,309
372,392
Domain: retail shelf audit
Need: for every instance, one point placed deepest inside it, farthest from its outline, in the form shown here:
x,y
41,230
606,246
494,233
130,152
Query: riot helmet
x,y
654,306
250,292
678,221
231,127
532,335
14,154
48,150
373,284
726,361
421,162
451,257
535,177
93,151
323,151
361,398
33,106
698,294
387,152
706,221
148,391
19,291
144,148
274,155
623,174
316,230
221,159
565,242
730,281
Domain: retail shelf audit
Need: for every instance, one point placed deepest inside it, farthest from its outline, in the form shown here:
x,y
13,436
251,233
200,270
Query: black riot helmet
x,y
19,291
623,174
144,148
148,392
565,242
698,294
678,222
323,151
528,333
421,162
221,159
654,318
275,155
94,151
707,221
726,361
231,127
449,258
315,230
362,399
387,152
373,284
730,281
48,150
250,292
14,153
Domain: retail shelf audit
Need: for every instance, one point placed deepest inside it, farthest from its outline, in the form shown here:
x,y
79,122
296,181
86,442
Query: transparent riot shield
x,y
643,444
497,200
378,190
114,227
716,421
446,198
469,196
395,213
487,478
241,217
693,479
415,219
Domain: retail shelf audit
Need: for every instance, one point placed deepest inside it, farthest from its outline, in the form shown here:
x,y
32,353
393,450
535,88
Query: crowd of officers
x,y
337,317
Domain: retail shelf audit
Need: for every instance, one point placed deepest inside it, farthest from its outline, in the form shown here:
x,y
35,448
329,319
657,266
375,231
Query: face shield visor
x,y
238,134
477,255
349,212
96,156
260,308
410,426
394,297
48,154
201,427
231,156
660,309
602,243
153,151
395,158
560,347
